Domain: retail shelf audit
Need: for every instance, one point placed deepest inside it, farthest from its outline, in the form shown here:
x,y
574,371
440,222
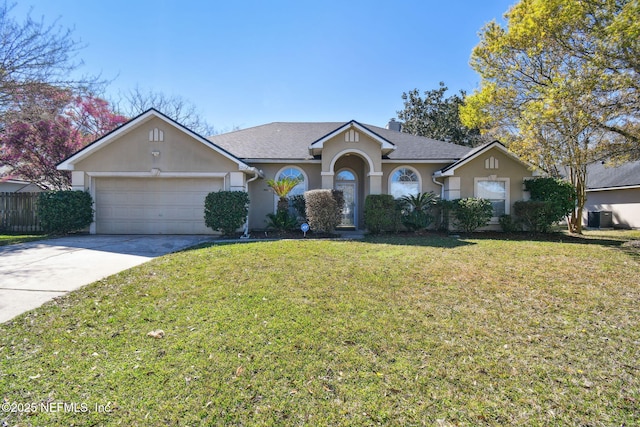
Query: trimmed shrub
x,y
324,209
443,210
282,221
551,200
472,213
338,196
536,215
382,213
299,204
64,211
226,211
509,224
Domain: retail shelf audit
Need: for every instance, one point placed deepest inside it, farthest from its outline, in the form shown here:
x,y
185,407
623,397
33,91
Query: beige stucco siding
x,y
133,152
369,149
624,205
507,167
262,198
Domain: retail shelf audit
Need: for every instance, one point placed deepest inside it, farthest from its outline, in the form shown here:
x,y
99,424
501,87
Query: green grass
x,y
10,239
414,331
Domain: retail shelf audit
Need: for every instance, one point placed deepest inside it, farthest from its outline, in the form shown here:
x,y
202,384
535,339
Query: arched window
x,y
293,172
345,175
404,181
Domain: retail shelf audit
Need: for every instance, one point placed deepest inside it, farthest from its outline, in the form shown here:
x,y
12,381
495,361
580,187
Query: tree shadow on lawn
x,y
439,239
431,239
452,240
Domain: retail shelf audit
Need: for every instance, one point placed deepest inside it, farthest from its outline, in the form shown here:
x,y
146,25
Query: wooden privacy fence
x,y
18,212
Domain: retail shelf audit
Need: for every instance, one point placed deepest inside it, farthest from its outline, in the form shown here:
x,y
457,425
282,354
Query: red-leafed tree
x,y
44,131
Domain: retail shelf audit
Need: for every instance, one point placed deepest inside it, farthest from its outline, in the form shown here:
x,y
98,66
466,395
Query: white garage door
x,y
152,206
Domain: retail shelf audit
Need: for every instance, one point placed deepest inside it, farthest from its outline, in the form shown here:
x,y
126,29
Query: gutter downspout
x,y
433,178
256,174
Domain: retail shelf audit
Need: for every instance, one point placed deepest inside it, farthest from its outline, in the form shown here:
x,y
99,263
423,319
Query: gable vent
x,y
491,163
156,135
352,136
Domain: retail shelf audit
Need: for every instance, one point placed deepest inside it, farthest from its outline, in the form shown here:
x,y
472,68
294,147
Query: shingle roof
x,y
599,175
291,140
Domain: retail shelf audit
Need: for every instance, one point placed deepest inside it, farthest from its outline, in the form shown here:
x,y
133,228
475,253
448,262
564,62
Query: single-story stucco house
x,y
614,190
151,174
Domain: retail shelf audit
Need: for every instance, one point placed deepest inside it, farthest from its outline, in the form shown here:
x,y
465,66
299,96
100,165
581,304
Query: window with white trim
x,y
404,181
293,172
298,190
496,190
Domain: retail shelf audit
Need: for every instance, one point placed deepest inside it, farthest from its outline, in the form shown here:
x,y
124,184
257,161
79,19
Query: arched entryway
x,y
350,175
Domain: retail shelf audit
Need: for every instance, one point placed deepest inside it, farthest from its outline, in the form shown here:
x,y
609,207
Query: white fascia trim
x,y
68,164
292,161
626,187
409,161
157,174
385,145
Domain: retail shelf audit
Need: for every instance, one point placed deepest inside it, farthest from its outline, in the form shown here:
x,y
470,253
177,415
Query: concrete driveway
x,y
36,272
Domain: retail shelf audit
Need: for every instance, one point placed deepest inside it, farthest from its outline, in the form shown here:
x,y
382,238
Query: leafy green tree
x,y
437,117
560,84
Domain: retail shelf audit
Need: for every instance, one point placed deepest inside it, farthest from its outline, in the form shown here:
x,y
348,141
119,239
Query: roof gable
x,y
68,163
386,146
474,153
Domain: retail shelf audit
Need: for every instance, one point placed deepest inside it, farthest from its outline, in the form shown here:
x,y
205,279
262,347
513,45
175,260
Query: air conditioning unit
x,y
600,219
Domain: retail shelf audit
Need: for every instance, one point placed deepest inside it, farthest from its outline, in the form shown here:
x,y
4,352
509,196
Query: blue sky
x,y
246,63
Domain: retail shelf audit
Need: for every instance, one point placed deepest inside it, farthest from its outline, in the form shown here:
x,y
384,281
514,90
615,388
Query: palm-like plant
x,y
420,202
417,213
282,188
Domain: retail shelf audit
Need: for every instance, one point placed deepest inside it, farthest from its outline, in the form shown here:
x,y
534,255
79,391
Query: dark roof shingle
x,y
291,140
600,175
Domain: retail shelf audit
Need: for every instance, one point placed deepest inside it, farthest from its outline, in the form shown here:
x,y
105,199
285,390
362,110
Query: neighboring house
x,y
151,175
614,189
11,185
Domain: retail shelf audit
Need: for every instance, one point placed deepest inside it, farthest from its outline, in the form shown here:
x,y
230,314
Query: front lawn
x,y
429,330
10,239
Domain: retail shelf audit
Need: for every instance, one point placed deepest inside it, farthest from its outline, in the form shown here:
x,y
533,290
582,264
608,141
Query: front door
x,y
346,182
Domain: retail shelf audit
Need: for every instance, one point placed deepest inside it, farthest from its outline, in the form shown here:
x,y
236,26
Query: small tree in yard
x,y
472,213
226,211
324,209
282,188
64,211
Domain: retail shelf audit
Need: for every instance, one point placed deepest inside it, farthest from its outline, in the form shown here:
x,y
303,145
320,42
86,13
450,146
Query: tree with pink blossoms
x,y
42,132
